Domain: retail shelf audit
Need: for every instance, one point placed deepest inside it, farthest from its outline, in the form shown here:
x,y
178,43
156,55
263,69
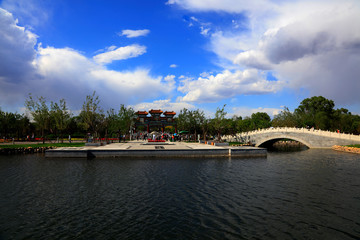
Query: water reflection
x,y
286,146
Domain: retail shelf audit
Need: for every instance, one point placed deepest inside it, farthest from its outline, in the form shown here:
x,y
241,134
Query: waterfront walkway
x,y
145,149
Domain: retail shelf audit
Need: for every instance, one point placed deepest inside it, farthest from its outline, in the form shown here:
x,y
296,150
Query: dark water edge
x,y
287,146
312,194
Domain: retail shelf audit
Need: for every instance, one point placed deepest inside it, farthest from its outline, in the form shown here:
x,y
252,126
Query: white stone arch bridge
x,y
309,137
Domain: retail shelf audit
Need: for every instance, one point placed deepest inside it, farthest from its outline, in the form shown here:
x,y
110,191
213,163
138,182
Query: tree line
x,y
54,119
316,112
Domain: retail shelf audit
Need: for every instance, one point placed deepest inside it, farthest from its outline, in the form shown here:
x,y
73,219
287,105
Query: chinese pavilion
x,y
157,120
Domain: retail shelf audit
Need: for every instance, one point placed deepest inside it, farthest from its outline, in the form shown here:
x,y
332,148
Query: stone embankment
x,y
346,149
23,150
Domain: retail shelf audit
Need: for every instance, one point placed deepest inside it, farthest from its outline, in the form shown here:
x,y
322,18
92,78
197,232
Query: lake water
x,y
312,194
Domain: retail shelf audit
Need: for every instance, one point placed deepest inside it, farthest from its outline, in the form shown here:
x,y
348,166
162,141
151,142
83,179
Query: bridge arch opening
x,y
284,144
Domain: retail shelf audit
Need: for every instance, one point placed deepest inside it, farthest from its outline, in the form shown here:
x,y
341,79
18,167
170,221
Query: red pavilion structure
x,y
157,119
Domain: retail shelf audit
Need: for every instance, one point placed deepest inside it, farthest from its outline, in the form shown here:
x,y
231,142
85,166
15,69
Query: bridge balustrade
x,y
317,132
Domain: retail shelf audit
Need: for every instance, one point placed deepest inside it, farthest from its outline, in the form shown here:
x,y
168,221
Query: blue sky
x,y
258,55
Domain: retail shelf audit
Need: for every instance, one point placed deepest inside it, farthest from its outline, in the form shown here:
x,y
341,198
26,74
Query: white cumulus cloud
x,y
55,73
253,59
316,48
232,6
66,72
17,54
226,85
135,33
170,80
163,104
310,45
246,111
32,12
120,53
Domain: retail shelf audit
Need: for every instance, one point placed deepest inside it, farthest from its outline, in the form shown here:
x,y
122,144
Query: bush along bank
x,y
35,148
24,150
348,149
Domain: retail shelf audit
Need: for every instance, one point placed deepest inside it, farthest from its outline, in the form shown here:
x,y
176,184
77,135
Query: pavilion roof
x,y
155,111
170,113
142,113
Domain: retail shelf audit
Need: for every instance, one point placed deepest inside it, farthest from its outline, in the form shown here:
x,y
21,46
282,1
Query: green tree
x,y
244,125
75,127
91,115
284,119
316,112
356,125
192,121
196,118
1,123
219,121
205,124
40,113
61,115
113,123
126,116
344,121
22,125
183,120
7,124
231,125
260,120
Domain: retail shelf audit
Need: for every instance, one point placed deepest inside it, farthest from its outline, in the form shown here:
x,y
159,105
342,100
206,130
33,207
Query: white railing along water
x,y
298,130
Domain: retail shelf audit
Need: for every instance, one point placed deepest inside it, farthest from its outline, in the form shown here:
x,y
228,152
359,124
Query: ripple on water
x,y
301,195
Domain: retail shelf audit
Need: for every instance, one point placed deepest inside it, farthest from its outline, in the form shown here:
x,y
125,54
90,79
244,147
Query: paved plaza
x,y
158,149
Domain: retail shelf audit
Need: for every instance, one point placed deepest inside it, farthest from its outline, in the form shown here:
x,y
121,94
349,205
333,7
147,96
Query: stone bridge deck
x,y
310,137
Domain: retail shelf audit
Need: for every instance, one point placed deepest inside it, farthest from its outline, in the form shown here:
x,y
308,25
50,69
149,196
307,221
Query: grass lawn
x,y
356,145
43,145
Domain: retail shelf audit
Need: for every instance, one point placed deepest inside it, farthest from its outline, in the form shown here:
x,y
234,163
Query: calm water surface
x,y
312,194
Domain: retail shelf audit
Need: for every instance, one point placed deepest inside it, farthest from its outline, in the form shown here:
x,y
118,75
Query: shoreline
x,y
346,149
136,149
8,149
24,150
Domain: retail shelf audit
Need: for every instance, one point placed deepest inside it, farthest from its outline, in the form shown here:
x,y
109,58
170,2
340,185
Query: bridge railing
x,y
297,130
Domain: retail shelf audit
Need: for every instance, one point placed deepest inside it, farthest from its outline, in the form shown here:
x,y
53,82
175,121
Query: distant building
x,y
157,120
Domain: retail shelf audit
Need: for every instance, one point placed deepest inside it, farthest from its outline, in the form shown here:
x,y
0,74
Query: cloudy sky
x,y
258,55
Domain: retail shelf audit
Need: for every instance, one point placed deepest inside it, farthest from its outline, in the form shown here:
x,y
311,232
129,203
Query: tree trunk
x,y
205,136
42,133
